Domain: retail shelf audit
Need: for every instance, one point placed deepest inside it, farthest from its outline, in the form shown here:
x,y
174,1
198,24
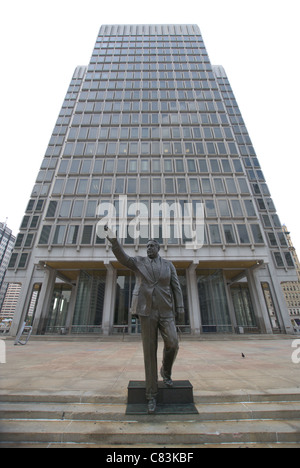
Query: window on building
x,y
23,260
19,240
231,187
237,209
132,185
51,209
219,186
257,235
70,186
169,185
229,234
249,205
13,260
210,209
95,187
282,239
206,186
168,165
87,234
59,235
65,207
278,260
107,186
181,184
289,259
45,234
215,236
98,166
243,234
77,209
91,209
82,186
72,235
120,185
156,185
194,185
58,186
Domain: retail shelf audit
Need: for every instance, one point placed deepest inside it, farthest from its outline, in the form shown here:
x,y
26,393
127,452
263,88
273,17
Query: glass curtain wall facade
x,y
152,122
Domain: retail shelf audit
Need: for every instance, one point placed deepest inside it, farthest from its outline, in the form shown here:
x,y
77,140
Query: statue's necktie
x,y
155,269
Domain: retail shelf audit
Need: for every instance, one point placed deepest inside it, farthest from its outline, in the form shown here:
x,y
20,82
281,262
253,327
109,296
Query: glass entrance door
x,y
123,320
215,316
243,308
56,319
88,312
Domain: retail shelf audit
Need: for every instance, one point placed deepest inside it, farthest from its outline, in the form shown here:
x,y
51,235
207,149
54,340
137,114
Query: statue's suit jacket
x,y
146,287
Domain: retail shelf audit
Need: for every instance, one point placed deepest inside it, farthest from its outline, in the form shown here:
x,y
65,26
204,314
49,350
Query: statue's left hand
x,y
180,316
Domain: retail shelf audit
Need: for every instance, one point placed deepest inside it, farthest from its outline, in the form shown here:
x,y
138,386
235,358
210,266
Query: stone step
x,y
116,412
151,448
199,397
137,337
151,432
96,420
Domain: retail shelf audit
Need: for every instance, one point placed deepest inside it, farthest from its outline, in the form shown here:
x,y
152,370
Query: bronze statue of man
x,y
157,292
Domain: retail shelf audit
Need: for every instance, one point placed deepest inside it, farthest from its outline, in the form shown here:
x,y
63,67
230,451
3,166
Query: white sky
x,y
256,41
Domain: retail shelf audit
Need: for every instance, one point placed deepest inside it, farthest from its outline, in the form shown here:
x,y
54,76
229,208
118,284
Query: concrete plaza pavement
x,y
103,368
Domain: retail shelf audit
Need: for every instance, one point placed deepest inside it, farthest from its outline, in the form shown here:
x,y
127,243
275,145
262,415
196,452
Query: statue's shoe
x,y
167,380
152,406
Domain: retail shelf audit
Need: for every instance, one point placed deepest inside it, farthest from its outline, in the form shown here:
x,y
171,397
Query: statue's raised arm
x,y
118,250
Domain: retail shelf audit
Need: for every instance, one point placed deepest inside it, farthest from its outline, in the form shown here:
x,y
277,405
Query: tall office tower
x,y
7,241
150,136
8,307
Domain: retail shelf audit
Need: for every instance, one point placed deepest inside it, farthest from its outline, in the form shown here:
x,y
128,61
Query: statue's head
x,y
153,248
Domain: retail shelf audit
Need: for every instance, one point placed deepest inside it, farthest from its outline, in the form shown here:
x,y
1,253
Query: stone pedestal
x,y
176,400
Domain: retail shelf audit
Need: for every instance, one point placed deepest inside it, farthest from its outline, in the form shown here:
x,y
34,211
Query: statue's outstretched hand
x,y
110,235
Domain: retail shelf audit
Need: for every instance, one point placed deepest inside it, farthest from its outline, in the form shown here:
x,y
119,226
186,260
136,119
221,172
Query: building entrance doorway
x,y
243,308
56,319
123,320
215,317
88,311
